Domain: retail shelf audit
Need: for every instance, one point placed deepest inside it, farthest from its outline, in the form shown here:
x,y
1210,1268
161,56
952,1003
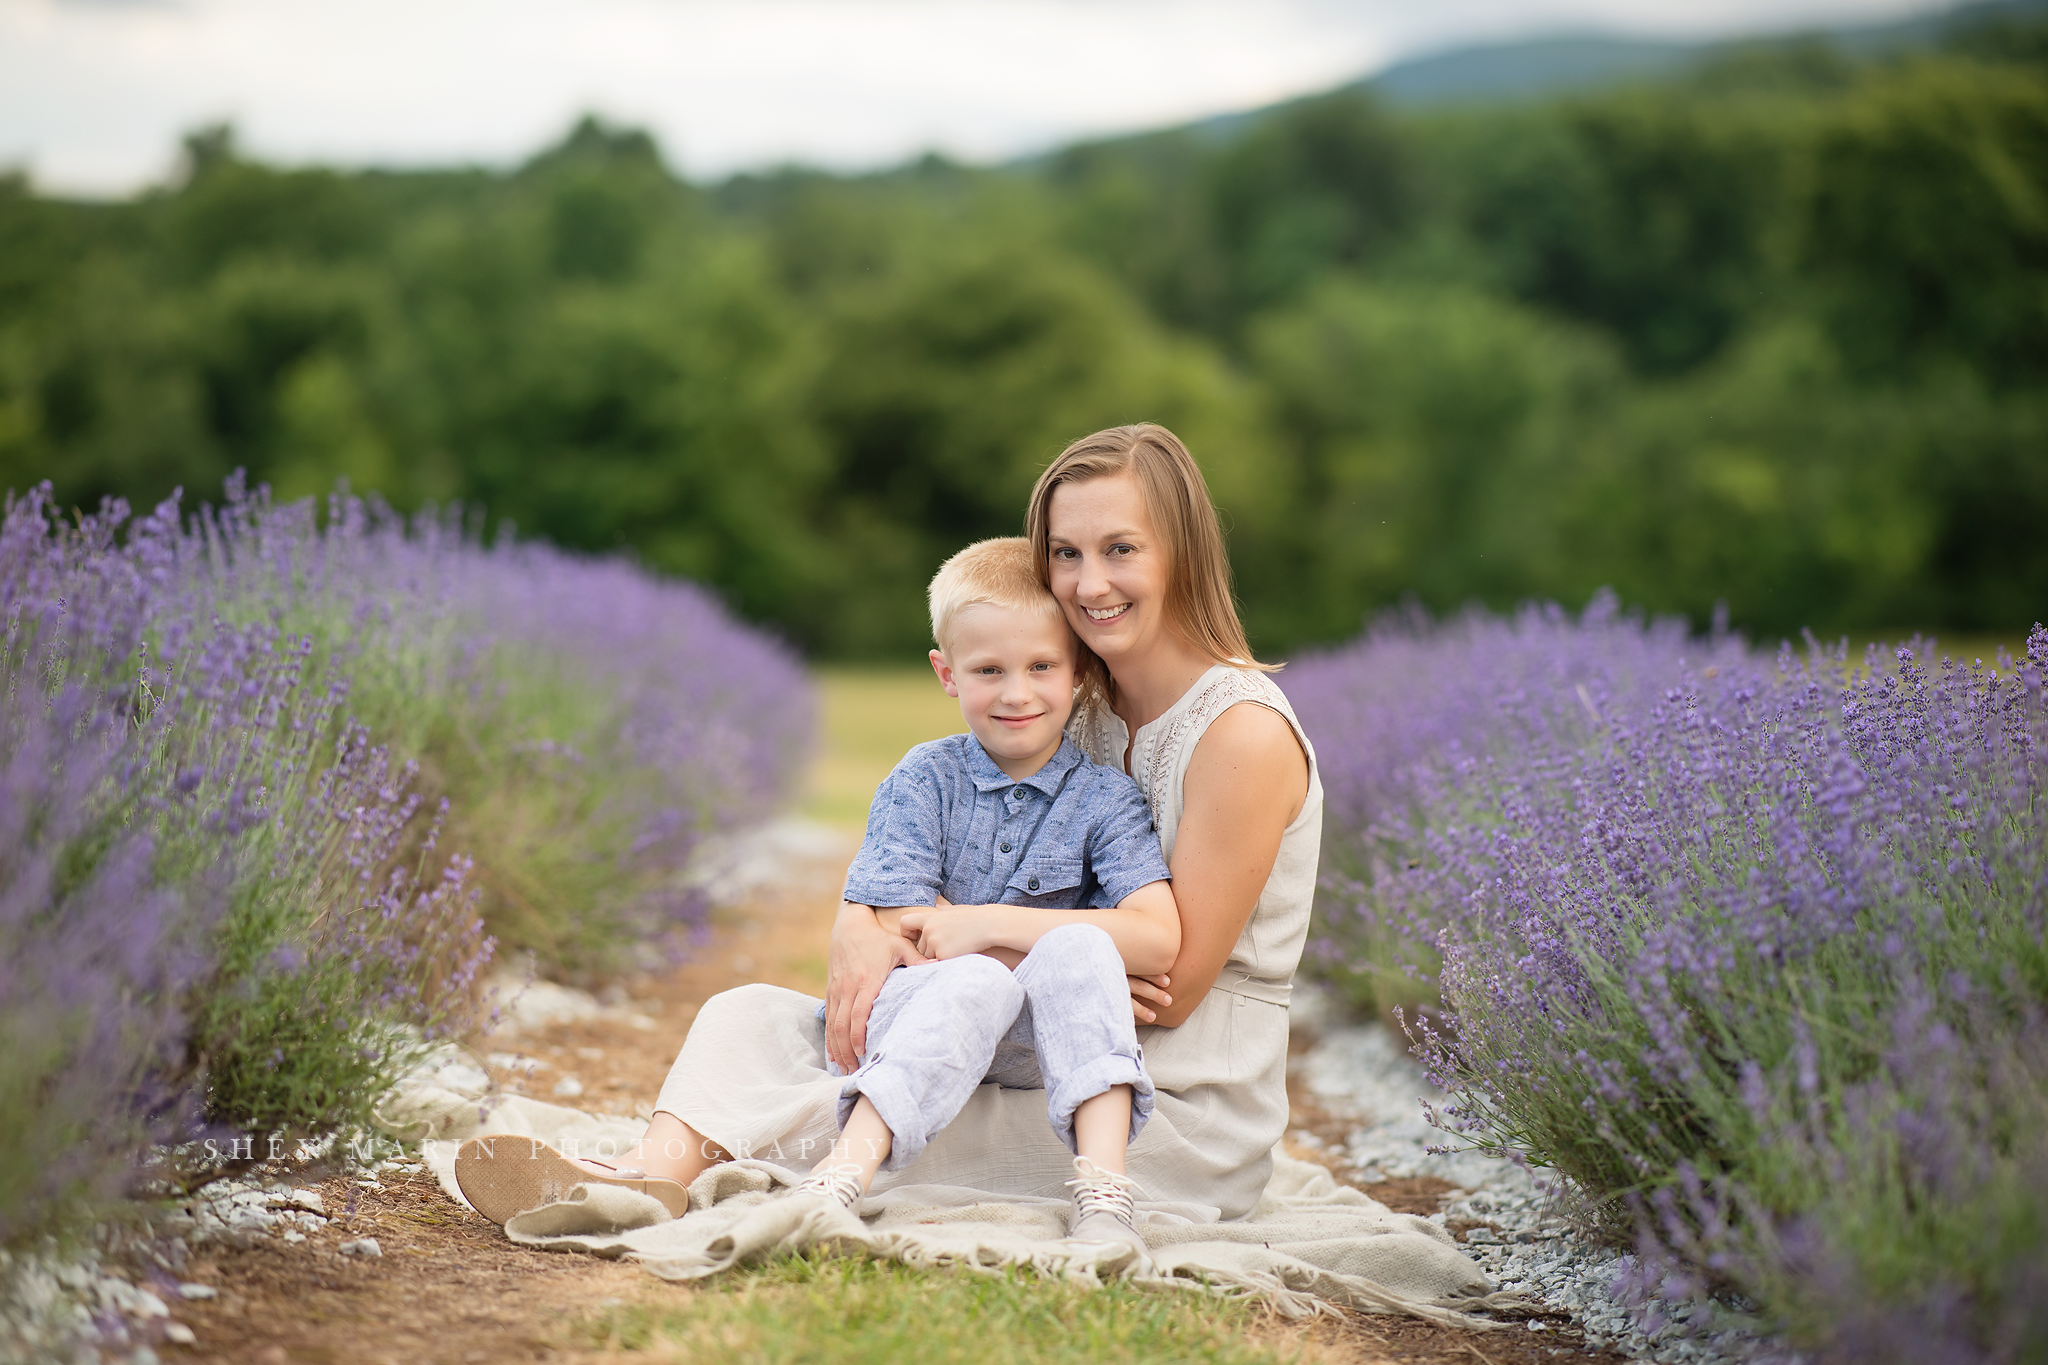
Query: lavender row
x,y
274,786
1746,948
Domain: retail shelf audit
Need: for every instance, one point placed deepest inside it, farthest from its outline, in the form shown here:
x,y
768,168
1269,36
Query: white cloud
x,y
94,93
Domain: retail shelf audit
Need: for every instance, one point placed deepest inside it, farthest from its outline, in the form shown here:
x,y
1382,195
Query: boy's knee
x,y
1077,952
978,975
1077,942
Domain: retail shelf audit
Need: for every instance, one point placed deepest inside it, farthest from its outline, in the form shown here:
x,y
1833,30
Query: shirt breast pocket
x,y
1054,883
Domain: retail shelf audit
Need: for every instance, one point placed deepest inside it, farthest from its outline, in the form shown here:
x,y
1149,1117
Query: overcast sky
x,y
94,94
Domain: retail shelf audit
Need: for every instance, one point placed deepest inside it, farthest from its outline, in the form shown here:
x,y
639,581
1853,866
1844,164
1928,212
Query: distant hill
x,y
1552,65
1534,68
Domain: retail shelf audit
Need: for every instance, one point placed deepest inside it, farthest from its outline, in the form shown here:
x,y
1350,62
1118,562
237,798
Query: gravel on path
x,y
1362,1074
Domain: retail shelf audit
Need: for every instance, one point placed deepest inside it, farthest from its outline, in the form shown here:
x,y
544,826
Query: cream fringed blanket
x,y
1311,1244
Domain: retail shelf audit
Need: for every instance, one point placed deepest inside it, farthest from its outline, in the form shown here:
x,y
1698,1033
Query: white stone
x,y
362,1246
568,1087
197,1291
179,1333
308,1200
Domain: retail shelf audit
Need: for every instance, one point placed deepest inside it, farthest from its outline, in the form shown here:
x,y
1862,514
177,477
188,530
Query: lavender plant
x,y
239,747
1749,949
1413,698
94,955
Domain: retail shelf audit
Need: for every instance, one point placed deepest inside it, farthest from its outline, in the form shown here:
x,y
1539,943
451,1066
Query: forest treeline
x,y
1773,335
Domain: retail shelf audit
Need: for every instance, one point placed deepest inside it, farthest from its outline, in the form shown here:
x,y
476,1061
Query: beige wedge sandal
x,y
506,1175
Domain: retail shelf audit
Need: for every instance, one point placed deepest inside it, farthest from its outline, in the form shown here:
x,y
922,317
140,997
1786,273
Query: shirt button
x,y
1032,884
1006,848
1016,793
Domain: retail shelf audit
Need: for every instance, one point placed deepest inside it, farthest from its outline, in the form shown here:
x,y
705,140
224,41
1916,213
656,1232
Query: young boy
x,y
1015,841
997,852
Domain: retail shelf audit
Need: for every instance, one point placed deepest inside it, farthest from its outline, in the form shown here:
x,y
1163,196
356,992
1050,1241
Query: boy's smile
x,y
1013,672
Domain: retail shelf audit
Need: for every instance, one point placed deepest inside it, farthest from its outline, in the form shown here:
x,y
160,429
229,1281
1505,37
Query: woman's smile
x,y
1107,613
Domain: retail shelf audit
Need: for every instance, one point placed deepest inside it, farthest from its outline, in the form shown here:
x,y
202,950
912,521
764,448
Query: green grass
x,y
827,1310
870,717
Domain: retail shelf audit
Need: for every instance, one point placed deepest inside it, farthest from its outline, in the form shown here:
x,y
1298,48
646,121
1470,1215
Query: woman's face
x,y
1109,571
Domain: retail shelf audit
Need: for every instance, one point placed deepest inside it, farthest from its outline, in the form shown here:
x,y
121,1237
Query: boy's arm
x,y
1145,926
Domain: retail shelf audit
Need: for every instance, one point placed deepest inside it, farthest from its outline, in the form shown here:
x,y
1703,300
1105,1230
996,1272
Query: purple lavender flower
x,y
245,759
1716,936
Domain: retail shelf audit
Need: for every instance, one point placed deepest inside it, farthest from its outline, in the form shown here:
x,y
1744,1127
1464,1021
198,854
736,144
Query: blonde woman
x,y
1124,534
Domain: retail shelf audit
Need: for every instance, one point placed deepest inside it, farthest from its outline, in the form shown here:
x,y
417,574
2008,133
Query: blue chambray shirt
x,y
947,821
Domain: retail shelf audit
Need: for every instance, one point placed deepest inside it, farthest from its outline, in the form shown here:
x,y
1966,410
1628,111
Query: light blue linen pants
x,y
1061,1022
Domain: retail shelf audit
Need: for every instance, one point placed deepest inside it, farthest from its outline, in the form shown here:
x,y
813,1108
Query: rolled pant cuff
x,y
1094,1079
899,1109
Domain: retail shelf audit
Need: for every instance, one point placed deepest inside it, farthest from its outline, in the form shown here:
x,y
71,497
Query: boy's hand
x,y
1148,996
949,933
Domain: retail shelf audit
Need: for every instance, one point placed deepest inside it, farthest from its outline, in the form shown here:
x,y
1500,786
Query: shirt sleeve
x,y
1123,847
901,859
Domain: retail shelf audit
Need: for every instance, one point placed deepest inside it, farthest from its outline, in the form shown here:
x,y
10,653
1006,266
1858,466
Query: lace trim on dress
x,y
1152,755
1229,688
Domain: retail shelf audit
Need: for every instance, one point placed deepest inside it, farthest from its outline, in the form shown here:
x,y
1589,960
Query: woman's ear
x,y
945,672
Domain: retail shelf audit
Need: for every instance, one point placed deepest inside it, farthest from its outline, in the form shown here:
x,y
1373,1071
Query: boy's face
x,y
1013,672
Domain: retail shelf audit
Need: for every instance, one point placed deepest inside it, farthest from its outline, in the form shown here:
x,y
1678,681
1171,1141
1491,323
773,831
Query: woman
x,y
1128,541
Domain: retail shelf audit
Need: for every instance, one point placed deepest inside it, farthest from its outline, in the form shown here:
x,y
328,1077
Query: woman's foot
x,y
1104,1211
505,1175
842,1183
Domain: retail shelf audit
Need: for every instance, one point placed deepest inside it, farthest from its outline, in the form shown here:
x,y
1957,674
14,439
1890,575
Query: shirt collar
x,y
989,778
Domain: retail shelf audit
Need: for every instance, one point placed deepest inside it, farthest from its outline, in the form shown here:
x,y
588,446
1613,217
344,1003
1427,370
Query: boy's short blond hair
x,y
996,573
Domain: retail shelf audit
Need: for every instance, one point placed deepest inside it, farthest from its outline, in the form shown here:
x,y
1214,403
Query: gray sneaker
x,y
1104,1214
840,1184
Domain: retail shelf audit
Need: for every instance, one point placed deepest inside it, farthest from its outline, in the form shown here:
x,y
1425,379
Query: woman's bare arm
x,y
866,946
1243,788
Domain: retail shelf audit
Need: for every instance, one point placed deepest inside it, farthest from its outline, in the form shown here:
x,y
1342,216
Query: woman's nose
x,y
1093,581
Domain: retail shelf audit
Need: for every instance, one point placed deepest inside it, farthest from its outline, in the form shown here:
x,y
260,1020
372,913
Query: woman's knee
x,y
741,1002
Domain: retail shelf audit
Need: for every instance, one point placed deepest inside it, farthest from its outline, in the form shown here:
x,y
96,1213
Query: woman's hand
x,y
1148,996
864,951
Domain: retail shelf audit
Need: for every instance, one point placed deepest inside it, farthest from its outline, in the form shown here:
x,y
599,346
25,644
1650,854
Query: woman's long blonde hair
x,y
1199,604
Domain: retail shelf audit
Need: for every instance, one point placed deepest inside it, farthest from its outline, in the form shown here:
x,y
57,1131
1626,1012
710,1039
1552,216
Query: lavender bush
x,y
1412,699
1748,948
238,749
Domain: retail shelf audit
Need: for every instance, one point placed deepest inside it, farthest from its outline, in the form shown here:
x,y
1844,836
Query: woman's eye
x,y
1122,549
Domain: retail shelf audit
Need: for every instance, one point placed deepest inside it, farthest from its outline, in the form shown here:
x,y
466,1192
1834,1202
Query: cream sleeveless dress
x,y
752,1074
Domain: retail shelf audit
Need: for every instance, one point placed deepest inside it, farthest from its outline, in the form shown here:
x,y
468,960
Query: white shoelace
x,y
841,1184
1099,1191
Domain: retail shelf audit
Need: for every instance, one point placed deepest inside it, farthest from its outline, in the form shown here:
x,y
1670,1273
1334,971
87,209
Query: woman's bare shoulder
x,y
1251,743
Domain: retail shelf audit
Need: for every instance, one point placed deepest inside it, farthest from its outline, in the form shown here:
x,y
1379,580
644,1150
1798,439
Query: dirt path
x,y
448,1287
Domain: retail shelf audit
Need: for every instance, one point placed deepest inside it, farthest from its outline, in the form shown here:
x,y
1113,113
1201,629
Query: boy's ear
x,y
945,672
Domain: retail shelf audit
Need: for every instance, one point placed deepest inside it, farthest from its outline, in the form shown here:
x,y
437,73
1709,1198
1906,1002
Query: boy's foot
x,y
508,1175
841,1183
1104,1213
